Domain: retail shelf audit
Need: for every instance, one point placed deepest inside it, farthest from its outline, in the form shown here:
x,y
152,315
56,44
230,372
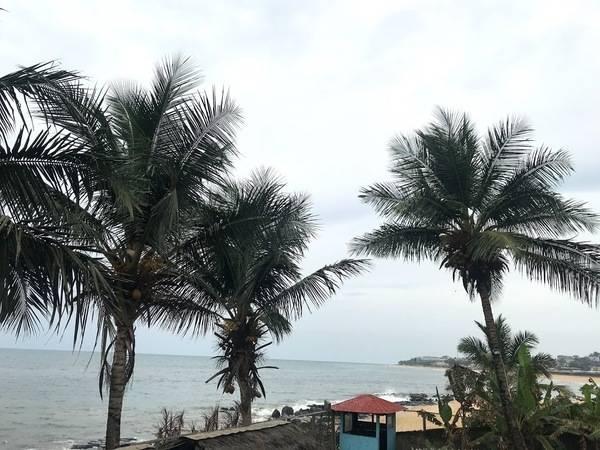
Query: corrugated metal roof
x,y
367,404
254,427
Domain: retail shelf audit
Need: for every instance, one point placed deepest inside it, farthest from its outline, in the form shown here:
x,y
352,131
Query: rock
x,y
287,411
418,397
276,414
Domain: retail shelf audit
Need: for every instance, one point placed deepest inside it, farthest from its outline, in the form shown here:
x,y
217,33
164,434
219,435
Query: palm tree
x,y
41,270
149,155
477,351
479,206
249,271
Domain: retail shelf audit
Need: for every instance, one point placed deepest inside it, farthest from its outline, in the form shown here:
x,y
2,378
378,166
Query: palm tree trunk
x,y
245,401
117,389
583,442
515,434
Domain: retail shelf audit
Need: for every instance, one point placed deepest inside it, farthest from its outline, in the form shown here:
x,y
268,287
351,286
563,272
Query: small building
x,y
367,422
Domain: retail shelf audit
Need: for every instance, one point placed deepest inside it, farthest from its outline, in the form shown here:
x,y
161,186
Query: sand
x,y
411,421
568,378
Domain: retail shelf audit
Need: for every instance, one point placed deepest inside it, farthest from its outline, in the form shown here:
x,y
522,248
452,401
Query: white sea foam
x,y
392,396
265,413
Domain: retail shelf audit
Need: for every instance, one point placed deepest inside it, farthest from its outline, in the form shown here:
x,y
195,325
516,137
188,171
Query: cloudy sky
x,y
324,86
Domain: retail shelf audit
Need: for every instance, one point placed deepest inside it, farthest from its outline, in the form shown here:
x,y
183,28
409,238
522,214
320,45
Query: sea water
x,y
49,400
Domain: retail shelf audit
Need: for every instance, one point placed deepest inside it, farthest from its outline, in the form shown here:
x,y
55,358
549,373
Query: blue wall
x,y
391,432
355,442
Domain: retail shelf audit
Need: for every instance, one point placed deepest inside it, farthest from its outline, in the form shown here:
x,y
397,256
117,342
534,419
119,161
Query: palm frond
x,y
180,315
506,144
205,121
451,144
41,275
314,289
18,87
35,167
410,208
475,350
397,241
526,201
565,265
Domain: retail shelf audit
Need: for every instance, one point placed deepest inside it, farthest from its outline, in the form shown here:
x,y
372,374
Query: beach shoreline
x,y
568,377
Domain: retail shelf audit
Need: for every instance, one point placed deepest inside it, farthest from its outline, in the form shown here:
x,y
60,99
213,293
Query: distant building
x,y
431,358
565,359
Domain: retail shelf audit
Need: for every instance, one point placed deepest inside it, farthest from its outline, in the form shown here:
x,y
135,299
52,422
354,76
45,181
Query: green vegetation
x,y
589,363
549,416
478,354
104,205
479,206
117,204
586,365
146,157
251,275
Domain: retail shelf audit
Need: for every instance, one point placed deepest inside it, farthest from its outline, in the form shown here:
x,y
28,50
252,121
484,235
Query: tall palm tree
x,y
477,351
149,154
479,206
249,271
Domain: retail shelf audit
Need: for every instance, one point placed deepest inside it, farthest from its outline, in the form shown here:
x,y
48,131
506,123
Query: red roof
x,y
367,404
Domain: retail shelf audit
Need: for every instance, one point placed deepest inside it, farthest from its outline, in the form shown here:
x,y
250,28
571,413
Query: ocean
x,y
49,400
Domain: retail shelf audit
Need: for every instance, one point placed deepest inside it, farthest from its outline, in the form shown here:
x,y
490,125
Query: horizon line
x,y
75,351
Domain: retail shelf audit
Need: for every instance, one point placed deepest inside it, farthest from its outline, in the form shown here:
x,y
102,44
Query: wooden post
x,y
328,410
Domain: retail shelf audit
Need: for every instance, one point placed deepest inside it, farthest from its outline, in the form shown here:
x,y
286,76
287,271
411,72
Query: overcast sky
x,y
324,85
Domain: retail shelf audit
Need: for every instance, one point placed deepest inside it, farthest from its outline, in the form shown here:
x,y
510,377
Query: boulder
x,y
287,411
276,414
420,397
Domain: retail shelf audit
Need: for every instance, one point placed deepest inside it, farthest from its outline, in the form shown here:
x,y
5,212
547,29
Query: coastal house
x,y
367,422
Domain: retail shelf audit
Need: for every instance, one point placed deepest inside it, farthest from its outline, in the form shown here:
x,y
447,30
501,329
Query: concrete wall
x,y
391,431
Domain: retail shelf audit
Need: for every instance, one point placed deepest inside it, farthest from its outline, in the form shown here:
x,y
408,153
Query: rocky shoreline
x,y
286,412
415,399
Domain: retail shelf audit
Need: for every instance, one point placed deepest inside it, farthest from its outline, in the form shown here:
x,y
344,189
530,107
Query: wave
x,y
393,397
265,413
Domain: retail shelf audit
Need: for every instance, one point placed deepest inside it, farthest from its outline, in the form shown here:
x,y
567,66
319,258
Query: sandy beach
x,y
411,421
556,377
570,378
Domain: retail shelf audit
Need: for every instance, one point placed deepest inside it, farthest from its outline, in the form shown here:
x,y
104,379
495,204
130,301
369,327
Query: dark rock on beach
x,y
312,408
418,397
417,400
276,414
287,411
